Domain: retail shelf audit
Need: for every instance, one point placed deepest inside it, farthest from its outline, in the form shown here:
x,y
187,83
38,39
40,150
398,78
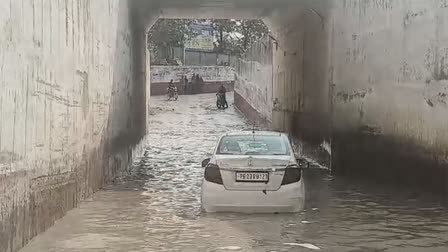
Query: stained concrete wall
x,y
213,76
67,108
254,80
371,78
206,58
391,84
163,74
300,66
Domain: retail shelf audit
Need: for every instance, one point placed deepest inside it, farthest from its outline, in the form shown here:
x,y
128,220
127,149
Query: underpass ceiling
x,y
148,11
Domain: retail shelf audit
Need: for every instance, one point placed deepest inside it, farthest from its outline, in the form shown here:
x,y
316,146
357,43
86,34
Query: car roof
x,y
256,133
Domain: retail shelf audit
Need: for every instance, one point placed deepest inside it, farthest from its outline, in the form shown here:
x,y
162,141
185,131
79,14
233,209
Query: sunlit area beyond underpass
x,y
157,206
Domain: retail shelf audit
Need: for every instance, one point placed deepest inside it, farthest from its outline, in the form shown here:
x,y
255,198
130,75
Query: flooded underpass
x,y
157,206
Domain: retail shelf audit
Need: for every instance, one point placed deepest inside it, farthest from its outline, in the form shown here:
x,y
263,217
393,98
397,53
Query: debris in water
x,y
328,178
231,248
305,245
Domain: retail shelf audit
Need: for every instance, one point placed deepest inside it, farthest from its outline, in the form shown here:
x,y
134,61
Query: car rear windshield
x,y
253,145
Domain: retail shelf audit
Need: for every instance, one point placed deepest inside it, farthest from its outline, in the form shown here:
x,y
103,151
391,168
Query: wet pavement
x,y
157,207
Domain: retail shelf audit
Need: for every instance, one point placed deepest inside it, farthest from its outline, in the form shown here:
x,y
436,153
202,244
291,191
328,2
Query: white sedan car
x,y
253,172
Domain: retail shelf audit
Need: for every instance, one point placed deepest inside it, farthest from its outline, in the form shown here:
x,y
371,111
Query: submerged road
x,y
157,207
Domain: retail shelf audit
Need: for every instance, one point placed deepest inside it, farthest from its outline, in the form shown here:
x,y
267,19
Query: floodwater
x,y
157,207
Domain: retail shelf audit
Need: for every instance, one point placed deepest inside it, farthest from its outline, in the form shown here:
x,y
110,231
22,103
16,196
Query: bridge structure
x,y
366,80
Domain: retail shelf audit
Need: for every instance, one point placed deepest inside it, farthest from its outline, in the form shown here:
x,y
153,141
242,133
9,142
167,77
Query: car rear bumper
x,y
288,199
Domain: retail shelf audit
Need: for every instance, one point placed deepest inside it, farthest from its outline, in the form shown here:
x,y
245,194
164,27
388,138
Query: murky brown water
x,y
157,208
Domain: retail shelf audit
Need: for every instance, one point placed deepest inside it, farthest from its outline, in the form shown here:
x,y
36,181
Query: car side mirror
x,y
303,164
205,162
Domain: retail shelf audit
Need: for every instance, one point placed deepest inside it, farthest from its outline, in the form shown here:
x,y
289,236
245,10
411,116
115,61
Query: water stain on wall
x,y
85,99
349,96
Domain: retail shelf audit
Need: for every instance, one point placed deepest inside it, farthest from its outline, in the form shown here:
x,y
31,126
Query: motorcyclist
x,y
171,87
222,92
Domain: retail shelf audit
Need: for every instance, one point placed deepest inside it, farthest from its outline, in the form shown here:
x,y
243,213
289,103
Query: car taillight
x,y
292,174
212,174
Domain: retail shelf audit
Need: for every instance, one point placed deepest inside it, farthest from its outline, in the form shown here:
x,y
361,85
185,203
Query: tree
x,y
167,34
231,36
222,27
170,32
252,30
236,36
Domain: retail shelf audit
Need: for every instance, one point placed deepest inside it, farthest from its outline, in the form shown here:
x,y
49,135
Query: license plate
x,y
252,177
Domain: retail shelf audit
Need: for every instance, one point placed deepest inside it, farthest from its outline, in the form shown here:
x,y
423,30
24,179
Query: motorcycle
x,y
221,102
172,94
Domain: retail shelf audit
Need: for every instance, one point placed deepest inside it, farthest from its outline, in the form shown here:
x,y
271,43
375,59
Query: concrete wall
x,y
371,78
254,80
191,89
196,58
163,74
203,58
67,103
283,79
288,67
391,86
192,57
213,76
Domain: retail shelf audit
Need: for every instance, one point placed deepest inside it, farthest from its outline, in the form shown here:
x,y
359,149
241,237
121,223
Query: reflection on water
x,y
157,208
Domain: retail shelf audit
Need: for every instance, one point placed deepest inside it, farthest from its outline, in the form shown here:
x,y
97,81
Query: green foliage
x,y
231,36
252,31
236,36
170,33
